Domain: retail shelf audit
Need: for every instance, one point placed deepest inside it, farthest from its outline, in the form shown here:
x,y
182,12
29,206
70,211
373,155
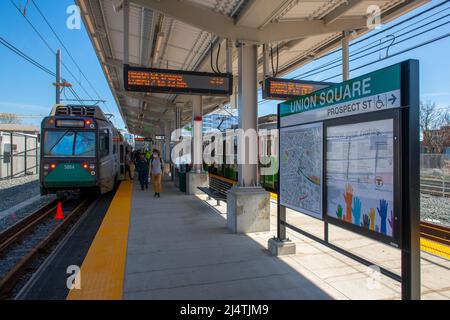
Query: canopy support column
x,y
248,204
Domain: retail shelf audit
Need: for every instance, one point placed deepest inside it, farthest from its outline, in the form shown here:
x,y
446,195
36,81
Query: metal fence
x,y
435,174
19,155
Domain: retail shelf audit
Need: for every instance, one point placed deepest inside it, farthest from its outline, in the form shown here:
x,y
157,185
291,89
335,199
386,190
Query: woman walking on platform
x,y
156,170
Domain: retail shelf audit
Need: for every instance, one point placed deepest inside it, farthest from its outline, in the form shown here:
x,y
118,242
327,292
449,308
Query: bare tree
x,y
441,136
9,118
428,121
429,115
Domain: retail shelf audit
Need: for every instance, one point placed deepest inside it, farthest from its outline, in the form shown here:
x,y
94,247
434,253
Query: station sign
x,y
177,81
379,90
339,153
288,89
350,156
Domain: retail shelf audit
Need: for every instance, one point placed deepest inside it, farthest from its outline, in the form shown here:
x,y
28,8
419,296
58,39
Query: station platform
x,y
179,247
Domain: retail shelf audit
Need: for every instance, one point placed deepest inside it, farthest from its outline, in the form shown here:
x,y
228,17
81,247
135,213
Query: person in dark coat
x,y
142,169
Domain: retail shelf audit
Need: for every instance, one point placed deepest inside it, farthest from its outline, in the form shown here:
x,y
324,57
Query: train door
x,y
108,171
122,161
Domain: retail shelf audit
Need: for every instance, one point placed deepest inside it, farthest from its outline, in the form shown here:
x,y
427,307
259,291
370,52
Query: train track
x,y
435,187
437,233
23,243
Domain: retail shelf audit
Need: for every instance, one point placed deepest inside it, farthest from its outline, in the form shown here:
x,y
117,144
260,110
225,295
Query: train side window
x,y
104,143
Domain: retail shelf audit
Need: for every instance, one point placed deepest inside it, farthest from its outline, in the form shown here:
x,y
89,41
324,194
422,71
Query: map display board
x,y
360,174
301,165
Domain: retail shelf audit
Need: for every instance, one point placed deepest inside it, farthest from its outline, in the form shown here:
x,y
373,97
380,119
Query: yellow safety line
x,y
274,196
435,248
103,269
233,182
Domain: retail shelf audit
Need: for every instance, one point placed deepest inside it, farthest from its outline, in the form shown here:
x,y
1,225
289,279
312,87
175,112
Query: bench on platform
x,y
217,189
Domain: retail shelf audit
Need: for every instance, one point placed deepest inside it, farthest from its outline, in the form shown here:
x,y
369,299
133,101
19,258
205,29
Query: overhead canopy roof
x,y
178,34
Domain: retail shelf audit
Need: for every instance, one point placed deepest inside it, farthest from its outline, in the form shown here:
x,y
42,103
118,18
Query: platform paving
x,y
179,247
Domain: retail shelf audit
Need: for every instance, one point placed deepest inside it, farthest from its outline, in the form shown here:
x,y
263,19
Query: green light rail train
x,y
80,150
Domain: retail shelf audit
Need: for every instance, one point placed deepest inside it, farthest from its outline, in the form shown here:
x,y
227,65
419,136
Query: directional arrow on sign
x,y
392,99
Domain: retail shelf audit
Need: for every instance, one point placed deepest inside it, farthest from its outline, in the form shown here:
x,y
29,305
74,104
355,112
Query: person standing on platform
x,y
142,168
156,171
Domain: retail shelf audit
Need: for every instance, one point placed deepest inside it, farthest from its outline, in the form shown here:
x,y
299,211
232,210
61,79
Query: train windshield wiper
x,y
58,141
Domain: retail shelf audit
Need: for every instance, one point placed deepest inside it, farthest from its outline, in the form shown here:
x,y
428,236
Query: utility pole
x,y
58,77
345,56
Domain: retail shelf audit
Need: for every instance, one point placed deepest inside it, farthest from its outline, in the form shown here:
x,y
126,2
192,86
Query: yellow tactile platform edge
x,y
435,248
103,269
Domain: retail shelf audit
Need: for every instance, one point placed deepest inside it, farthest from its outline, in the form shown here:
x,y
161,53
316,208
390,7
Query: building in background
x,y
436,141
19,150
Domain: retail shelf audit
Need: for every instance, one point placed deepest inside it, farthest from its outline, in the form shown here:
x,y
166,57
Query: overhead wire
x,y
49,47
395,54
336,62
37,64
387,47
68,51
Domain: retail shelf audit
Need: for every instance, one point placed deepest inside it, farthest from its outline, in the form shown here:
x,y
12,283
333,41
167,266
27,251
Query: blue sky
x,y
434,58
27,90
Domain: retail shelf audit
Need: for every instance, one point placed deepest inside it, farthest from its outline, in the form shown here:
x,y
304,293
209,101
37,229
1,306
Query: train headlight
x,y
53,166
92,166
85,166
92,173
46,166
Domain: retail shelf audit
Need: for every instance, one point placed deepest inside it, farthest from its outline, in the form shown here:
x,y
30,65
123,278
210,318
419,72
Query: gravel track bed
x,y
8,221
15,253
13,192
435,209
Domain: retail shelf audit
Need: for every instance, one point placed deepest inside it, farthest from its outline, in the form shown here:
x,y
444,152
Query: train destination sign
x,y
177,81
287,89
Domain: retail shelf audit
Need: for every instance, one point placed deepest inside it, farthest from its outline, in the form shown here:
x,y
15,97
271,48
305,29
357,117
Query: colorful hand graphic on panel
x,y
372,219
348,196
382,211
356,211
339,212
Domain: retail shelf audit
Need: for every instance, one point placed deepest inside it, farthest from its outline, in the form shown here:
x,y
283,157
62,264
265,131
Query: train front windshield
x,y
69,143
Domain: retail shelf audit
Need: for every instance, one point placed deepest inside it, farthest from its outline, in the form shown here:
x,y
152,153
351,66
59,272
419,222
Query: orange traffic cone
x,y
59,212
